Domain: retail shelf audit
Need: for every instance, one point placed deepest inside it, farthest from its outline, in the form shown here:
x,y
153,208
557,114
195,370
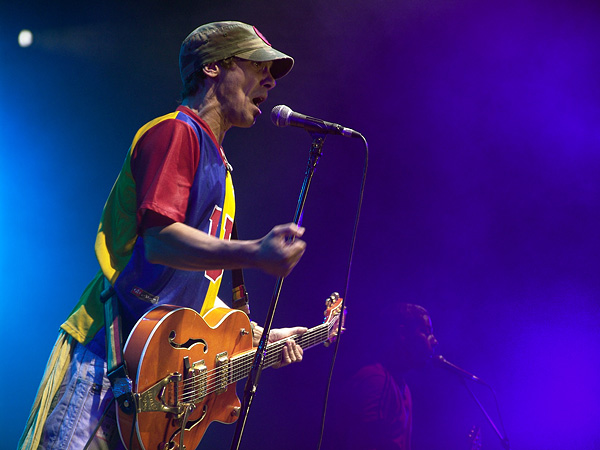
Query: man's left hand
x,y
291,352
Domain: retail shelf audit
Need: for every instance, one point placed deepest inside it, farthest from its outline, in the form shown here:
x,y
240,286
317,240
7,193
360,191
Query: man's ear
x,y
211,70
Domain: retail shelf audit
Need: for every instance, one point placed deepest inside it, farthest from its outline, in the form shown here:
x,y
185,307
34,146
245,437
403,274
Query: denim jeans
x,y
83,400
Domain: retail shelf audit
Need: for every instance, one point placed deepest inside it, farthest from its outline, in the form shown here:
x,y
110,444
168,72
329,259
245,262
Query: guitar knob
x,y
235,412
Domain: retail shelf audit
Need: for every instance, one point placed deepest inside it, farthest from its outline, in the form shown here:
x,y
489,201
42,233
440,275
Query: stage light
x,y
25,38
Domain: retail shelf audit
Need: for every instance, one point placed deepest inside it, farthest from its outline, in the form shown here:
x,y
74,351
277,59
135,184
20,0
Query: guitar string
x,y
210,381
241,364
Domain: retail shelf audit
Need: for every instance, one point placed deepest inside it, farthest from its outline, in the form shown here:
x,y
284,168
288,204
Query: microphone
x,y
282,116
444,363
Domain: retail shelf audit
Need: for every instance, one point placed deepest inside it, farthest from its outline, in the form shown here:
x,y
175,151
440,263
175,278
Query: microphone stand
x,y
261,350
503,438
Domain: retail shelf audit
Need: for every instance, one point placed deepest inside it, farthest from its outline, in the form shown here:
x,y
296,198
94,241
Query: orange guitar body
x,y
184,367
189,346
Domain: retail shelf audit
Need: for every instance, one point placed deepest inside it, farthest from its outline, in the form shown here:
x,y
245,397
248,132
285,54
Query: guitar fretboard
x,y
240,365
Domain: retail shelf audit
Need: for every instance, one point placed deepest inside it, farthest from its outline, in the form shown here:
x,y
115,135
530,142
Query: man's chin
x,y
250,121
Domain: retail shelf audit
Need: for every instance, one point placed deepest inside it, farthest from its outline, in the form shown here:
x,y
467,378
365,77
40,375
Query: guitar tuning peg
x,y
332,298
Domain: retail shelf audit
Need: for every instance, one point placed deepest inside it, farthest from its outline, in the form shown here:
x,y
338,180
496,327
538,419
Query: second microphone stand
x,y
503,437
261,350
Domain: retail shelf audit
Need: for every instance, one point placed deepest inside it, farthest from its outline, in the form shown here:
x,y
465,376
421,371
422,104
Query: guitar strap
x,y
116,368
240,298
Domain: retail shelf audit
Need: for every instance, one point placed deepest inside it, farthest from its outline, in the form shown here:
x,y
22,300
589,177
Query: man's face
x,y
242,88
422,343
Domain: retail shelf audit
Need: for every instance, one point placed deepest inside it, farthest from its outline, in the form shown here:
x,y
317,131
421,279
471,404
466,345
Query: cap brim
x,y
282,63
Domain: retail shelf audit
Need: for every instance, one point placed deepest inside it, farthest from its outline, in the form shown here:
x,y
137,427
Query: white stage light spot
x,y
25,38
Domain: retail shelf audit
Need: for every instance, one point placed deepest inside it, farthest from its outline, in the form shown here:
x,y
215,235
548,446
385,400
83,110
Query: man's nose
x,y
268,81
433,341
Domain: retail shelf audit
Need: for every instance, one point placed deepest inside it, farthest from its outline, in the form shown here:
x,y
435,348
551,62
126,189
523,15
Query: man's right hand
x,y
280,250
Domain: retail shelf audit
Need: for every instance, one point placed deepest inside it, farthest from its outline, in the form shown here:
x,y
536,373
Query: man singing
x,y
164,232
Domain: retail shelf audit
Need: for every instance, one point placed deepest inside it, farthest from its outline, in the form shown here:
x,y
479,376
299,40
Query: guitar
x,y
184,367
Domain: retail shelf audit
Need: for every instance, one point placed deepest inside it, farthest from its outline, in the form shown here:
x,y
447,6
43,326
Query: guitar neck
x,y
241,364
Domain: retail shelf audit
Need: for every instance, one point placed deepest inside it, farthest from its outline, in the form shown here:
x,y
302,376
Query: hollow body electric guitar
x,y
184,368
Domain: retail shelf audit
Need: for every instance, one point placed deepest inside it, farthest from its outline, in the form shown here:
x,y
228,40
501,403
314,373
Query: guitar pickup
x,y
221,372
194,389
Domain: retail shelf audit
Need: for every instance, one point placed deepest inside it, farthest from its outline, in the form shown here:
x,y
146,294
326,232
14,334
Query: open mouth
x,y
257,101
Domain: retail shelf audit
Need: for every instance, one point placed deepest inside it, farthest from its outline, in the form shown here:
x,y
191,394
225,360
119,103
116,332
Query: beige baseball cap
x,y
220,40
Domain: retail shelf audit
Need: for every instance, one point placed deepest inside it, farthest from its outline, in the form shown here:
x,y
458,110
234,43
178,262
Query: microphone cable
x,y
345,293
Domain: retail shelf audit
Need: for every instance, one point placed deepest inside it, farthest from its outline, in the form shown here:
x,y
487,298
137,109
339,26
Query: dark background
x,y
481,203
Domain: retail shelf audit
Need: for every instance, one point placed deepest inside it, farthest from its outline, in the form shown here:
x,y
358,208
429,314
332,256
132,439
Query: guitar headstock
x,y
332,316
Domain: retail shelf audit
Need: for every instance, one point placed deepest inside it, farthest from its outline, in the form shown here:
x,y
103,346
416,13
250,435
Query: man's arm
x,y
182,247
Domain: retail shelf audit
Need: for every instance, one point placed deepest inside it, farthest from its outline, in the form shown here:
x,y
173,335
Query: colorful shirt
x,y
175,168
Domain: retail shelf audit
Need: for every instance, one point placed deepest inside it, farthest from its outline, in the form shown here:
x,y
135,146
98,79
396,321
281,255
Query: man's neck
x,y
210,113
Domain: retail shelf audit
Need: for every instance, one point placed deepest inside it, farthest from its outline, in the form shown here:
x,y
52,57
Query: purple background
x,y
482,197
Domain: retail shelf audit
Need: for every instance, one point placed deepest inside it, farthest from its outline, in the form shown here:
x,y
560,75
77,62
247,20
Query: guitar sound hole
x,y
174,439
192,423
187,344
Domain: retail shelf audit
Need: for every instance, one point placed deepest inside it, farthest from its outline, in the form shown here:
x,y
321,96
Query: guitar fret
x,y
240,365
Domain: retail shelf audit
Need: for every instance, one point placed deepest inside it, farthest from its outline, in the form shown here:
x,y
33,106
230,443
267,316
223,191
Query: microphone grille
x,y
280,115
